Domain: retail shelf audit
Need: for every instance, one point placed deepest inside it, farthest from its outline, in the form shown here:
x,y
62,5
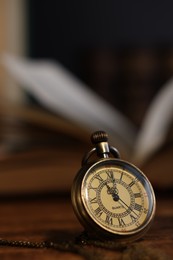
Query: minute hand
x,y
128,206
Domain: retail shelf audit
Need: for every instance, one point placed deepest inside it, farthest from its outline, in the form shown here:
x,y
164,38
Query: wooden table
x,y
51,218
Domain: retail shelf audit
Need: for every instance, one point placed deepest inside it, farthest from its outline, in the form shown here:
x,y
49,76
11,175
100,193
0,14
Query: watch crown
x,y
102,148
98,137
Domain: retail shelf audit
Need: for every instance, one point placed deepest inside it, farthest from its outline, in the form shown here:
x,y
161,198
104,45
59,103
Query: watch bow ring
x,y
112,198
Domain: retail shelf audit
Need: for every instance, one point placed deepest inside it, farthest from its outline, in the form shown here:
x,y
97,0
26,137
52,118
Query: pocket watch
x,y
112,198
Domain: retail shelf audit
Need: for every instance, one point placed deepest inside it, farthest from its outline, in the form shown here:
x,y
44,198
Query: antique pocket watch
x,y
112,198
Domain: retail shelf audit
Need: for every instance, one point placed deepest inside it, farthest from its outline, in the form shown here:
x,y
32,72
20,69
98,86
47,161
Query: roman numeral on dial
x,y
121,176
137,195
131,184
110,174
121,222
94,200
137,207
98,177
133,218
109,220
98,212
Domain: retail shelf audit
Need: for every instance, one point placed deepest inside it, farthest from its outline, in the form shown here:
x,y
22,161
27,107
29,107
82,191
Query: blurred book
x,y
83,111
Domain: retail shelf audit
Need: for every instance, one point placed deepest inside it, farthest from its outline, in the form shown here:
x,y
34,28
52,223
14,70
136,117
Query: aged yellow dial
x,y
111,197
115,197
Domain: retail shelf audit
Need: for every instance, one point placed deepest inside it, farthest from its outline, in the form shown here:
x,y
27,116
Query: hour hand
x,y
108,189
113,191
111,176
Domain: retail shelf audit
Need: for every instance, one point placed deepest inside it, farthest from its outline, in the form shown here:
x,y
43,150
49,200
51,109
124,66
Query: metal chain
x,y
78,246
71,245
19,243
63,246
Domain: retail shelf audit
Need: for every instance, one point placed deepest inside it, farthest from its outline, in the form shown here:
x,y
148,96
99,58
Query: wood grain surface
x,y
51,218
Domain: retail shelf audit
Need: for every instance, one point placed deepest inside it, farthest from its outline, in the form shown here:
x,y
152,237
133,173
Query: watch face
x,y
118,197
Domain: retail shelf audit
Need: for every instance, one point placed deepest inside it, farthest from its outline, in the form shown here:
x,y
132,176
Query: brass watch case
x,y
87,221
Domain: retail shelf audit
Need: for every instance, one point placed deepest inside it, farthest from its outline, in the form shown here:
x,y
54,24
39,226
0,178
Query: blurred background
x,y
123,49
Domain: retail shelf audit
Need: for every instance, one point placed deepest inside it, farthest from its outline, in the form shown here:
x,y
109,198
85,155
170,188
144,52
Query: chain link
x,y
19,243
82,240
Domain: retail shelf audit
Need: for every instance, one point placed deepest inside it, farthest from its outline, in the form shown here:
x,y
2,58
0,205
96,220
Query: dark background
x,y
122,49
